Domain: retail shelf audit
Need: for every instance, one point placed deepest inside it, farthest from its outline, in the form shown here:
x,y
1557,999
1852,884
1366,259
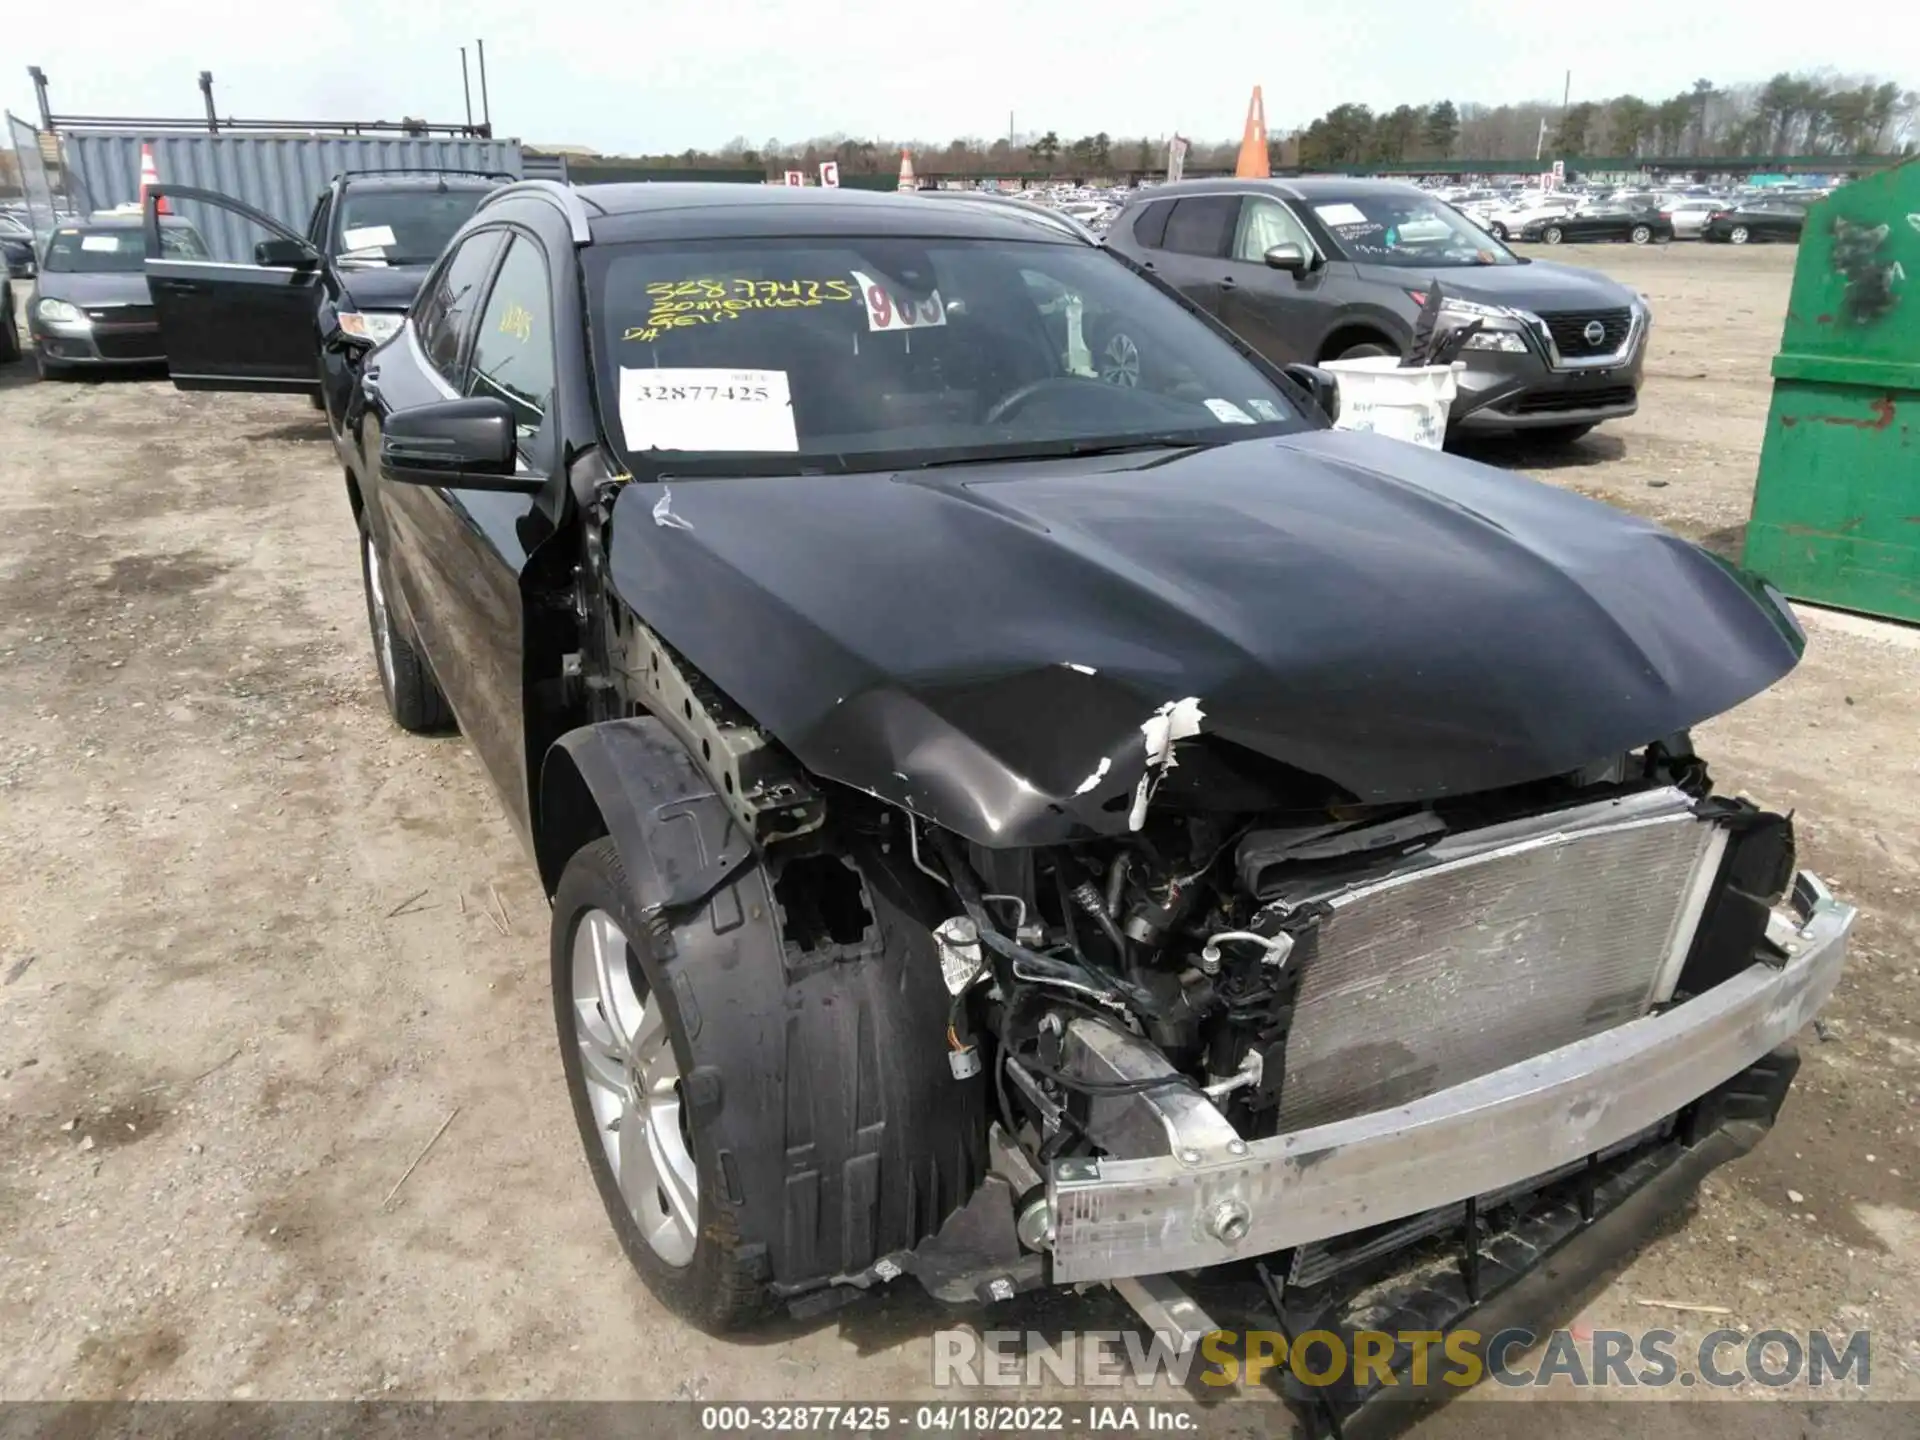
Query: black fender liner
x,y
817,1072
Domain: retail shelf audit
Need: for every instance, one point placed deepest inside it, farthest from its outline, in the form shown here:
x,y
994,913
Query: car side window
x,y
443,314
1150,225
1264,224
1202,224
513,344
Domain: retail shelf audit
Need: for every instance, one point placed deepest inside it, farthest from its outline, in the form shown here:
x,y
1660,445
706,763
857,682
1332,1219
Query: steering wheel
x,y
1015,398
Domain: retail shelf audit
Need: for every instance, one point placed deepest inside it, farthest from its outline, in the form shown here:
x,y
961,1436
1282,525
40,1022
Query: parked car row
x,y
1636,216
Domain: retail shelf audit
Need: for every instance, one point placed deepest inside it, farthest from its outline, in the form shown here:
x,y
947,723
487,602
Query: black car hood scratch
x,y
990,646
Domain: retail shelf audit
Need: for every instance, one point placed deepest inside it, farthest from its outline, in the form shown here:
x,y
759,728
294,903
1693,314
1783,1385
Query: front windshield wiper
x,y
1070,449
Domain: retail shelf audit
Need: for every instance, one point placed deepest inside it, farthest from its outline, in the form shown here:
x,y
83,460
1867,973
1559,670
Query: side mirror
x,y
1322,385
1289,257
284,254
465,444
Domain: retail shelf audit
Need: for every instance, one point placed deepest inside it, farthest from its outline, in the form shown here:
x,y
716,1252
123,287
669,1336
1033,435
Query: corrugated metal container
x,y
281,175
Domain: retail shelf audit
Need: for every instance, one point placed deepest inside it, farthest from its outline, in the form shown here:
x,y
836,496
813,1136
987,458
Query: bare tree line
x,y
1814,113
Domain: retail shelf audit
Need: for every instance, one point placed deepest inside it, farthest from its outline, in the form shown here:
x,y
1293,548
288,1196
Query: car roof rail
x,y
506,175
568,200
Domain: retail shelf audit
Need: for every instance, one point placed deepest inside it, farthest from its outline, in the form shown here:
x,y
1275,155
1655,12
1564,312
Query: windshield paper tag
x,y
886,311
366,237
1341,214
99,242
715,410
1231,413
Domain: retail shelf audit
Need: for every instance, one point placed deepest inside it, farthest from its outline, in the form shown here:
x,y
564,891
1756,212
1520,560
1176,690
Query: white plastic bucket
x,y
1410,404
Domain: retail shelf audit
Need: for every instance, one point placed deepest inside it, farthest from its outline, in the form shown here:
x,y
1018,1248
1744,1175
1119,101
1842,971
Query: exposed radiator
x,y
1499,944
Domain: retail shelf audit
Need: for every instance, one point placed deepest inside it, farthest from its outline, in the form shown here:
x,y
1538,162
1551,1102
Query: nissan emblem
x,y
1594,333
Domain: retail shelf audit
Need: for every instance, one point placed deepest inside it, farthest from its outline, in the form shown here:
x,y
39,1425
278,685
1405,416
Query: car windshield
x,y
857,353
402,227
120,249
1407,230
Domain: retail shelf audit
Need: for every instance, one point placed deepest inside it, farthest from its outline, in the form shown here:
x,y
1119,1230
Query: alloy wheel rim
x,y
633,1086
1120,361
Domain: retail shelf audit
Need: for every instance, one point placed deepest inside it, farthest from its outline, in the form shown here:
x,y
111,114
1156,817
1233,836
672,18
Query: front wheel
x,y
1497,230
1554,235
1739,235
762,1091
621,1039
1641,234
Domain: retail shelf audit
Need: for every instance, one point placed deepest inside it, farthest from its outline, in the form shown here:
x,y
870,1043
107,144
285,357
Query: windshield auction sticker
x,y
710,410
889,311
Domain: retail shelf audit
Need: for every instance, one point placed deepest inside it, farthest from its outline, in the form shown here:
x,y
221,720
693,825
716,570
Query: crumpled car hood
x,y
1009,650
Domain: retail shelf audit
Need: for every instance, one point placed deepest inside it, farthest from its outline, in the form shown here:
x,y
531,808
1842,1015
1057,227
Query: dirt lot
x,y
248,966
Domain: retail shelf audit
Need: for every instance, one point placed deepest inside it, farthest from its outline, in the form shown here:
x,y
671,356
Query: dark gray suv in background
x,y
1328,269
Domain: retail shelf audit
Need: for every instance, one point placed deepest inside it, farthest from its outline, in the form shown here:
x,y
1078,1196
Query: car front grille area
x,y
121,314
133,345
1571,331
1557,402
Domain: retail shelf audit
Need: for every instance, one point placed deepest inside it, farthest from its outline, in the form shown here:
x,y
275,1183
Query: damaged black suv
x,y
1010,828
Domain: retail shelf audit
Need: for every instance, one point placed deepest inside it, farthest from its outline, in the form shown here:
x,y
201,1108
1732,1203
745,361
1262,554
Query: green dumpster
x,y
1836,511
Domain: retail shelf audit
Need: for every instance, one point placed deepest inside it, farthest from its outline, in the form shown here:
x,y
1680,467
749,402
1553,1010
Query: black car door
x,y
1279,314
244,319
1193,253
460,553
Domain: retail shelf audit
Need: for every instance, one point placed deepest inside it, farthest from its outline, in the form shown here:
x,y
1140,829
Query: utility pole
x,y
486,110
206,89
1566,92
466,86
39,78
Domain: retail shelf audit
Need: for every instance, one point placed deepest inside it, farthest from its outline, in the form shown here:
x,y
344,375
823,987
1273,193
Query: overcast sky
x,y
629,77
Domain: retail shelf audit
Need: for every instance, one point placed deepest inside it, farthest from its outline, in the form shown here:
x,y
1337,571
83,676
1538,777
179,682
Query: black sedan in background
x,y
1756,220
369,242
1641,227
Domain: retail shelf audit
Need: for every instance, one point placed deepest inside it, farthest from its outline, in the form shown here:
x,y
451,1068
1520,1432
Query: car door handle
x,y
1229,283
185,287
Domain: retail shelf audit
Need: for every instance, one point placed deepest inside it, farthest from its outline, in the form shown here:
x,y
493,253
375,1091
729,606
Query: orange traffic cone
x,y
1253,144
907,182
150,180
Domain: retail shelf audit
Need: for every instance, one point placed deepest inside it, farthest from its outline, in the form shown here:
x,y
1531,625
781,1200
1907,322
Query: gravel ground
x,y
249,965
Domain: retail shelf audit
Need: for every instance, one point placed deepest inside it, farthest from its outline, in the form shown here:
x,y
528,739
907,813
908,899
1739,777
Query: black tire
x,y
1553,235
317,400
815,1100
9,336
413,697
1362,351
1641,234
1739,235
1497,230
1559,434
